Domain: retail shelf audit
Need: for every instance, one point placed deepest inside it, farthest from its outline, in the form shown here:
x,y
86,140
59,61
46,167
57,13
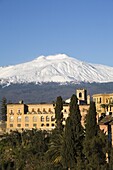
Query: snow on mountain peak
x,y
52,57
55,68
57,57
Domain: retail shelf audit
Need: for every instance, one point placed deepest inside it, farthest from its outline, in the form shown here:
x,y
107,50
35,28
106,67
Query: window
x,y
42,125
47,124
44,111
97,100
19,111
18,125
38,110
11,112
34,125
42,119
65,110
52,125
100,99
80,94
52,118
106,100
11,118
26,125
111,100
47,118
19,119
34,119
26,119
11,125
49,110
33,110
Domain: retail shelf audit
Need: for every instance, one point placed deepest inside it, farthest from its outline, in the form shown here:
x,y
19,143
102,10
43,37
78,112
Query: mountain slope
x,y
56,68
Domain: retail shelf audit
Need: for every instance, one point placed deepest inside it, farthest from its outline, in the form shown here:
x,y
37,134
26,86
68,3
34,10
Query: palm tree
x,y
54,152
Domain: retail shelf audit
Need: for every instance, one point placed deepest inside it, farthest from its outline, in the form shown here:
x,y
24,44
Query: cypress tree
x,y
4,109
73,137
58,113
91,122
95,142
55,145
111,159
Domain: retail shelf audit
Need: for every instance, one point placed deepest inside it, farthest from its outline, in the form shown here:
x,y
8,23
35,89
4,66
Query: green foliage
x,y
73,137
54,153
95,144
62,149
111,159
23,150
3,109
58,113
91,122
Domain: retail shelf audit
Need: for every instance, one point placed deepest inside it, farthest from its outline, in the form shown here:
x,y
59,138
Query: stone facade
x,y
40,116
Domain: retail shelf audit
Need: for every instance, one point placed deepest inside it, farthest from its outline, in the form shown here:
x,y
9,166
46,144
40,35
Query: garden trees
x,y
95,142
111,159
58,113
73,138
24,150
3,115
54,153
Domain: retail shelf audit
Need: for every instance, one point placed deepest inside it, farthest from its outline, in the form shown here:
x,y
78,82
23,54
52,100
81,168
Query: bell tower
x,y
82,96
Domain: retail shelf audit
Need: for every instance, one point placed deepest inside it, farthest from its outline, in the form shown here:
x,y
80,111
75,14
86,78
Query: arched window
x,y
47,118
52,118
38,110
11,118
19,119
18,110
80,94
34,119
26,119
42,119
44,110
33,110
11,112
49,110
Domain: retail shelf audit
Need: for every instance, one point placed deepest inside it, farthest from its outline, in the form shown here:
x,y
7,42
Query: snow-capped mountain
x,y
55,68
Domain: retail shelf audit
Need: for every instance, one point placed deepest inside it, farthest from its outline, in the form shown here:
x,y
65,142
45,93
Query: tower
x,y
82,96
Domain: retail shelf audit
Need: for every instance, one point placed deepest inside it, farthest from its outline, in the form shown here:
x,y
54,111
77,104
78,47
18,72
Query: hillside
x,y
48,92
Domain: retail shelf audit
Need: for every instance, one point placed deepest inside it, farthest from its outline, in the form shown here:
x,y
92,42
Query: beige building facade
x,y
104,103
104,108
22,116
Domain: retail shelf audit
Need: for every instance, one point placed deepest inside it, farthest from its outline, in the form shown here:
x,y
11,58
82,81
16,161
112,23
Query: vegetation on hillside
x,y
47,92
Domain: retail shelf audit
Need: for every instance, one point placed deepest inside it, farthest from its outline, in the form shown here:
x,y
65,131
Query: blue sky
x,y
79,28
